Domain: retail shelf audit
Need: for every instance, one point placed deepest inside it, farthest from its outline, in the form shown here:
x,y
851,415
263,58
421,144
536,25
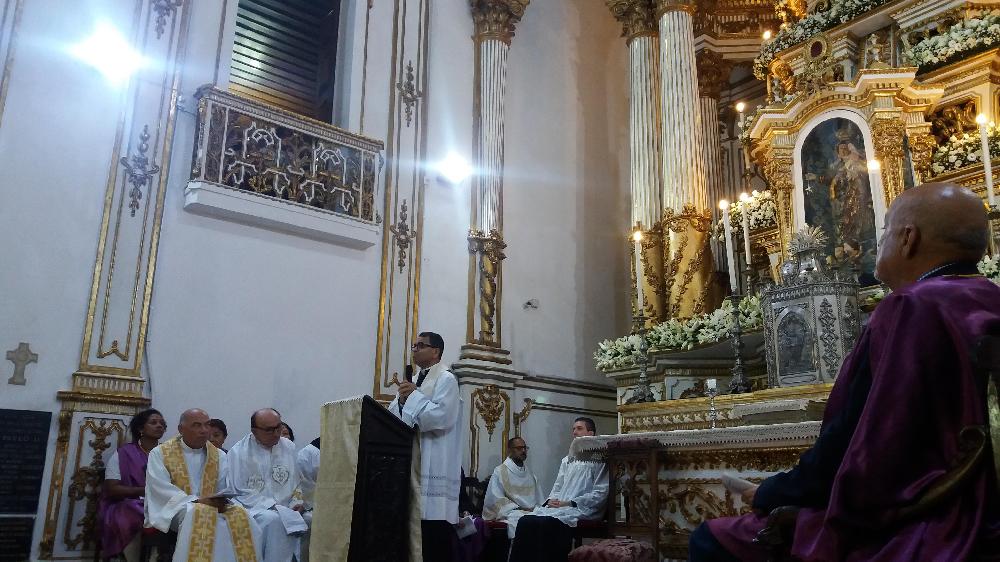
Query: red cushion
x,y
150,531
496,525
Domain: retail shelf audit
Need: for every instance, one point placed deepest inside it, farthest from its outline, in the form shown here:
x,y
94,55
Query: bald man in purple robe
x,y
902,398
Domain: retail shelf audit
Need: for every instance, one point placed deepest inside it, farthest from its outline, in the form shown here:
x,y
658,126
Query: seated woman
x,y
120,511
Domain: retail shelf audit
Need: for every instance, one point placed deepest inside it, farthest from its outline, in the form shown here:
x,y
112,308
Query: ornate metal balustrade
x,y
250,146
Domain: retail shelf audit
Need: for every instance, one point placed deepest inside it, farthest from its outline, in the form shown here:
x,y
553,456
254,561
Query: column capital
x,y
713,73
638,17
496,19
664,6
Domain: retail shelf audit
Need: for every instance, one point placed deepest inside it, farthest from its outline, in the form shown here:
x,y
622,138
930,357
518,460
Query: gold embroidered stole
x,y
202,543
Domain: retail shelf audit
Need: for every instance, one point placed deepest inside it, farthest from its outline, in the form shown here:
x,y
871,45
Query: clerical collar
x,y
185,446
953,268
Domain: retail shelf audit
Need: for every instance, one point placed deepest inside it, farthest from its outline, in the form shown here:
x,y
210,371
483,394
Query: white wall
x,y
243,318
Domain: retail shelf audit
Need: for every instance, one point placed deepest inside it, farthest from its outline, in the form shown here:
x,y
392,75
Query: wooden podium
x,y
379,483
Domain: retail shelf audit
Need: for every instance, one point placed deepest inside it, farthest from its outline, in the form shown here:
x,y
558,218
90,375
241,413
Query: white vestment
x,y
435,408
266,482
308,466
583,482
168,507
513,490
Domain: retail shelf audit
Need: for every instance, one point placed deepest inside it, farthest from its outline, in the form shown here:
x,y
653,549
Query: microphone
x,y
408,372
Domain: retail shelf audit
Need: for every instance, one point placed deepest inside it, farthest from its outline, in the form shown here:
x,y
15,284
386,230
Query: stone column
x,y
494,29
639,27
687,218
713,75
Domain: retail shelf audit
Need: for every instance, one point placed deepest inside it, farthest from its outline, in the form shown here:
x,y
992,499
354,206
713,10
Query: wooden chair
x,y
778,534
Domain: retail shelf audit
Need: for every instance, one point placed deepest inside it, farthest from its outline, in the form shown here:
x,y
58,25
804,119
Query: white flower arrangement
x,y
963,150
841,11
963,38
677,334
990,268
762,209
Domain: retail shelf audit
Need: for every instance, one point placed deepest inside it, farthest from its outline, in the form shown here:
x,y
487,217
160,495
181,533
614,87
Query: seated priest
x,y
513,490
432,403
580,492
264,475
307,461
186,487
884,480
120,510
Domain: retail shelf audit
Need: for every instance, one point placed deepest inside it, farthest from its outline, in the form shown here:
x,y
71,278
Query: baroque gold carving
x,y
85,483
496,19
953,120
778,172
688,235
922,146
638,17
664,6
765,460
402,235
713,73
489,401
887,138
489,248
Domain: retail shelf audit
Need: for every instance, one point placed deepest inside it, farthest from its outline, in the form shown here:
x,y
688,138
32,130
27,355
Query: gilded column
x,y
494,29
639,27
687,218
887,138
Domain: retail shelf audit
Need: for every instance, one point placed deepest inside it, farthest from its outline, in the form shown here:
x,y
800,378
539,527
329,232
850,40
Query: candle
x,y
987,157
730,258
710,384
637,236
744,210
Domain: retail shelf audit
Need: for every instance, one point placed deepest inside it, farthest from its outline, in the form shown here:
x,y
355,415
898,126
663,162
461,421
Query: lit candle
x,y
987,157
730,258
744,208
637,236
710,384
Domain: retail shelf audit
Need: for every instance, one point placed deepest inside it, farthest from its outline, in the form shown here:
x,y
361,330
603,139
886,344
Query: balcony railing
x,y
252,147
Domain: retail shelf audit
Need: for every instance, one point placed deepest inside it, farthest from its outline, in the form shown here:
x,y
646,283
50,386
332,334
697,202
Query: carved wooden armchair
x,y
975,442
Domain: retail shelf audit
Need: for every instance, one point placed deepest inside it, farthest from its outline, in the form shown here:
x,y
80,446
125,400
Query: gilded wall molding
x,y
688,265
496,19
922,147
638,17
488,251
664,6
403,191
491,404
9,27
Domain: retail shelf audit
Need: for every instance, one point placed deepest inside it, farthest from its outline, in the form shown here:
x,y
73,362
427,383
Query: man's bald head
x,y
265,424
929,226
193,427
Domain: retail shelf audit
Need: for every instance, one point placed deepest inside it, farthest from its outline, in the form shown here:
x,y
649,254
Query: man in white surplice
x,y
580,492
186,478
513,490
307,461
265,477
432,403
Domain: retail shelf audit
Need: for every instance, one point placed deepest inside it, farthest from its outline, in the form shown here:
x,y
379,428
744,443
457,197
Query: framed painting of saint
x,y
837,194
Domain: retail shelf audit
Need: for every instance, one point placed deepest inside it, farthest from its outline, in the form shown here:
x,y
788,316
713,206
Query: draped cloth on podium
x,y
345,451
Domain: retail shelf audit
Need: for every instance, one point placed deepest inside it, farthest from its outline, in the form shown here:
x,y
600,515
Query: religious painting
x,y
837,193
796,344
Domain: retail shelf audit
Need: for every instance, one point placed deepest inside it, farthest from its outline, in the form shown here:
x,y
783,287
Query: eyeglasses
x,y
525,447
274,429
421,345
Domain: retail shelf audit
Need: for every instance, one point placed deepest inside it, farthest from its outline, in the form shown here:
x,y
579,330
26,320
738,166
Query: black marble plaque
x,y
15,538
24,437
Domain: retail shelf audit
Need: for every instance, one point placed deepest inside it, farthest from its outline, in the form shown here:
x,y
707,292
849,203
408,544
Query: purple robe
x,y
923,392
121,519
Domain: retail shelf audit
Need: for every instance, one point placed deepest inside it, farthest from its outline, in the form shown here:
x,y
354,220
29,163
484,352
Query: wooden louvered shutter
x,y
285,53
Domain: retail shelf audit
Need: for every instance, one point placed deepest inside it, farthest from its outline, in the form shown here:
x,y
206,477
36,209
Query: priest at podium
x,y
432,405
186,490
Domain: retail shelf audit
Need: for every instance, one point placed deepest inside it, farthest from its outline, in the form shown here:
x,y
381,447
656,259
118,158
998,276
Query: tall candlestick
x,y
744,210
730,258
984,139
637,236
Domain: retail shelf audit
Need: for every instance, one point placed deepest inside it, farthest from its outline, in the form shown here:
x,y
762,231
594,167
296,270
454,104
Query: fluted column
x,y
494,21
687,218
639,27
713,76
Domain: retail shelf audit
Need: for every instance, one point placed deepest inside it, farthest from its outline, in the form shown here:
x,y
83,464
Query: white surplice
x,y
583,482
513,490
168,507
266,481
308,467
435,407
